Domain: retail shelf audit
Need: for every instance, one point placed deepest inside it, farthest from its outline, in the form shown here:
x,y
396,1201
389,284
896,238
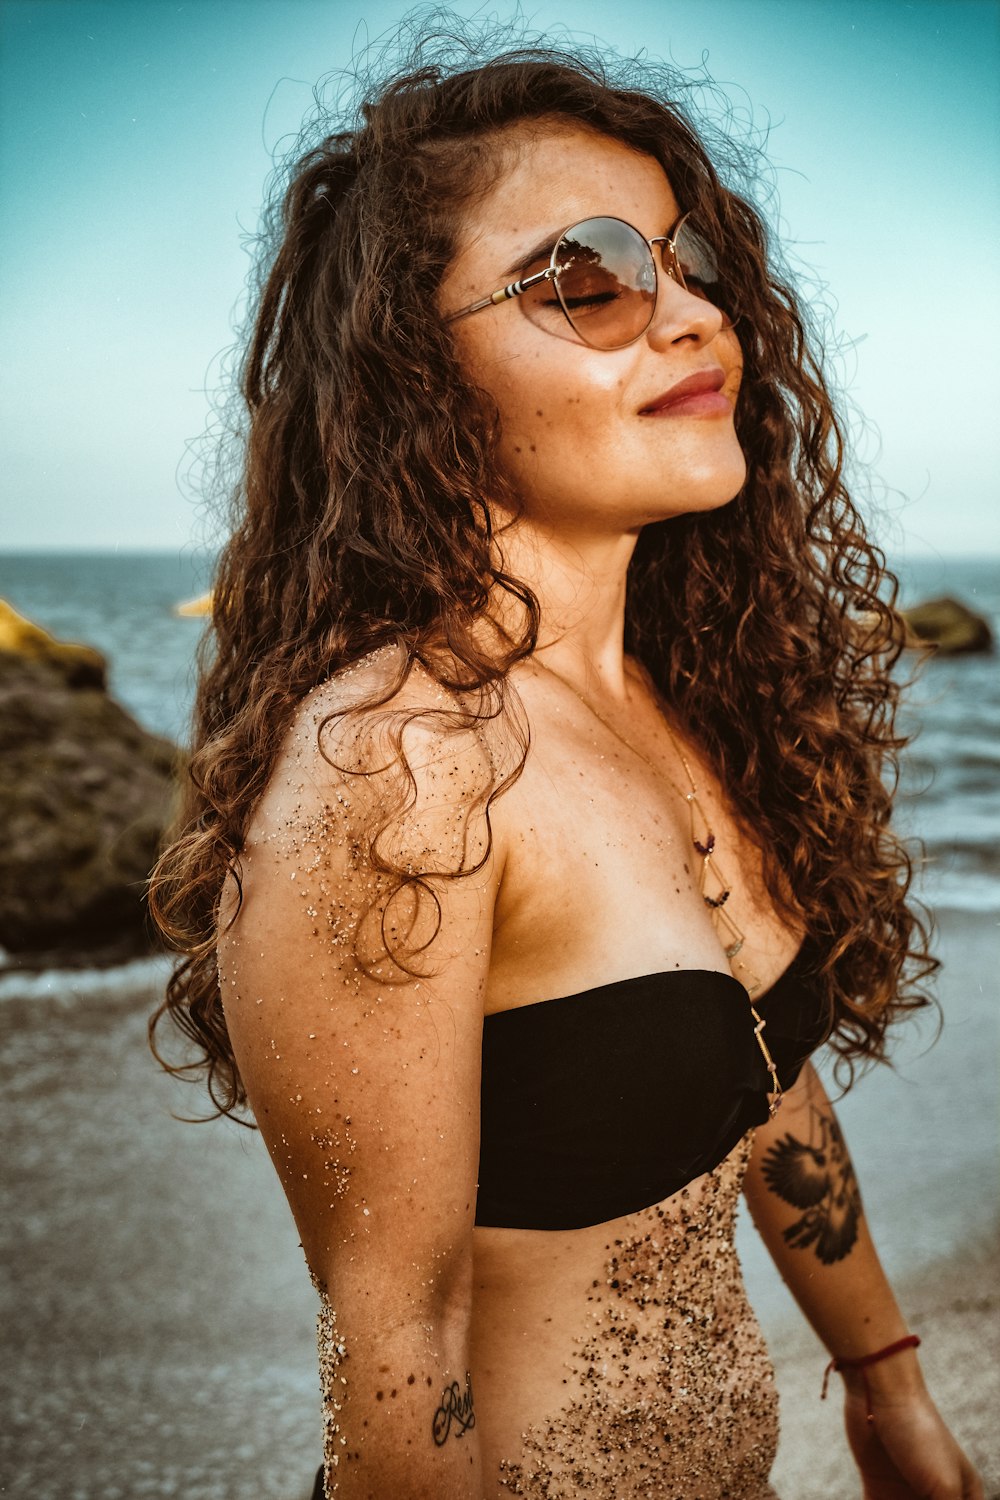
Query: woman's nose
x,y
681,314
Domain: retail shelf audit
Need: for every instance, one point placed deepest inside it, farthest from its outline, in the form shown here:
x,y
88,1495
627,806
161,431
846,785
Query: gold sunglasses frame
x,y
668,256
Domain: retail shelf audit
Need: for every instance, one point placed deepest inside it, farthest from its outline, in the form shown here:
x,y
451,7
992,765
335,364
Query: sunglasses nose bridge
x,y
668,257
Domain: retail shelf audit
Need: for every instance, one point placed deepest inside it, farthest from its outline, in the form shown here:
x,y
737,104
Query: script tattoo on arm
x,y
816,1177
455,1410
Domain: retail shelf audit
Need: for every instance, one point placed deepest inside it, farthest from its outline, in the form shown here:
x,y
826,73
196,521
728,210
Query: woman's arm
x,y
367,1094
804,1199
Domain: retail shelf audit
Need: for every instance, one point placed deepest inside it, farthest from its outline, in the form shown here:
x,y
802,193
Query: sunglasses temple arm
x,y
503,293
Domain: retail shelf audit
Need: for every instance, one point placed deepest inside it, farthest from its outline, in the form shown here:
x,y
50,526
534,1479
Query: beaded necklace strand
x,y
712,885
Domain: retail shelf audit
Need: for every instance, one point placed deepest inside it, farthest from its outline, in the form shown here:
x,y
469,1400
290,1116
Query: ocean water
x,y
950,782
950,788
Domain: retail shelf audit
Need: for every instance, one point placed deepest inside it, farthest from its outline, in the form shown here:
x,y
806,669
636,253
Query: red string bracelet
x,y
862,1361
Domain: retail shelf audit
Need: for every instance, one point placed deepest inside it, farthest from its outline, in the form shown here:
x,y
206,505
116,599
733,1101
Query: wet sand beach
x,y
159,1321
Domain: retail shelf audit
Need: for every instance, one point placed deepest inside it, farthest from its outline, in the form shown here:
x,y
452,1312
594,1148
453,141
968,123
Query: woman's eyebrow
x,y
541,251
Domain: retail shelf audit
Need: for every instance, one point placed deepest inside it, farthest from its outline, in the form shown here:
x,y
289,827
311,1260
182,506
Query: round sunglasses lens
x,y
700,269
606,282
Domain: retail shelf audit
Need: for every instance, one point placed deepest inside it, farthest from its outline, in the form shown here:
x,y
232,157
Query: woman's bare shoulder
x,y
383,745
371,804
363,709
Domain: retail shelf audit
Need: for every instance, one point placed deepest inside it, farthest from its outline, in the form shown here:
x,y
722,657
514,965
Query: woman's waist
x,y
647,1345
673,1261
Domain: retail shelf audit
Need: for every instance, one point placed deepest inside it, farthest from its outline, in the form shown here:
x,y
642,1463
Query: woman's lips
x,y
698,395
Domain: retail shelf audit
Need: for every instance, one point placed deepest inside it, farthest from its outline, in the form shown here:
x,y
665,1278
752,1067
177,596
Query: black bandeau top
x,y
606,1102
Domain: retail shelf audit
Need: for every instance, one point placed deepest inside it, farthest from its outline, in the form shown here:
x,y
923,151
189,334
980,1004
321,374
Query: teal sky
x,y
136,136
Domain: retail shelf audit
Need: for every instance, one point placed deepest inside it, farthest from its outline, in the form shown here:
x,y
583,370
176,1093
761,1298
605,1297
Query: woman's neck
x,y
580,582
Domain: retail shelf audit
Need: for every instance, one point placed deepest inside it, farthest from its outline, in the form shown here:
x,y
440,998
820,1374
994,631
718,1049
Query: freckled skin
x,y
591,461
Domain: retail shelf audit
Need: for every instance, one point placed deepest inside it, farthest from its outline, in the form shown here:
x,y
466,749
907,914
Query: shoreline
x,y
159,1314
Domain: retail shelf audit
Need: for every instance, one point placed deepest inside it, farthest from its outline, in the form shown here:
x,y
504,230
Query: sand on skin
x,y
160,1325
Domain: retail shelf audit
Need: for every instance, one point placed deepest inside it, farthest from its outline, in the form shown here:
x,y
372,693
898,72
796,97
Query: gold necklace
x,y
712,886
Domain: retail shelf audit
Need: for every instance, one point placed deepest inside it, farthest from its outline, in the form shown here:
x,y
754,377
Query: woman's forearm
x,y
804,1199
399,1414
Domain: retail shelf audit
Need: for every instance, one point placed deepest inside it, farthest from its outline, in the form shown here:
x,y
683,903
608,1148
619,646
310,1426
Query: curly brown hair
x,y
362,519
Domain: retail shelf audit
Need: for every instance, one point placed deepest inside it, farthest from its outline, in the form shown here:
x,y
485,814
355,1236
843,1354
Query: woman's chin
x,y
713,490
700,500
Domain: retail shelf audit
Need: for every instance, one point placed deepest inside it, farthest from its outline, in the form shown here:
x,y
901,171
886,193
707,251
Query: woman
x,y
537,831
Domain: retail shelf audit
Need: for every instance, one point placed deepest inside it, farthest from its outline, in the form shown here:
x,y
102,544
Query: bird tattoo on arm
x,y
816,1177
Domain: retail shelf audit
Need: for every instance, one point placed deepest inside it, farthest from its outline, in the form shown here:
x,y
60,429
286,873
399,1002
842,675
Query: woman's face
x,y
582,439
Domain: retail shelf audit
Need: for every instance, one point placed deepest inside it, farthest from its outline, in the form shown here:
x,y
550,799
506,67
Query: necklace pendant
x,y
727,929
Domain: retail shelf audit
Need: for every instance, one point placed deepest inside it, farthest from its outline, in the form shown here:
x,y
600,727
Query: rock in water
x,y
949,625
81,666
85,795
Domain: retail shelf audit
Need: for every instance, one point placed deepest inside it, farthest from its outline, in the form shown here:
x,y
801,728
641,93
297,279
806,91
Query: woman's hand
x,y
906,1453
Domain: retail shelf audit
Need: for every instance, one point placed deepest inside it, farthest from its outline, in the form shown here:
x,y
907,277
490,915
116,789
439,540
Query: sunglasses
x,y
604,278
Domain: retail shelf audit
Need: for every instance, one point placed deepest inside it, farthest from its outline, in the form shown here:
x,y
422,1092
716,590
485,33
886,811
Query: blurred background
x,y
157,1305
